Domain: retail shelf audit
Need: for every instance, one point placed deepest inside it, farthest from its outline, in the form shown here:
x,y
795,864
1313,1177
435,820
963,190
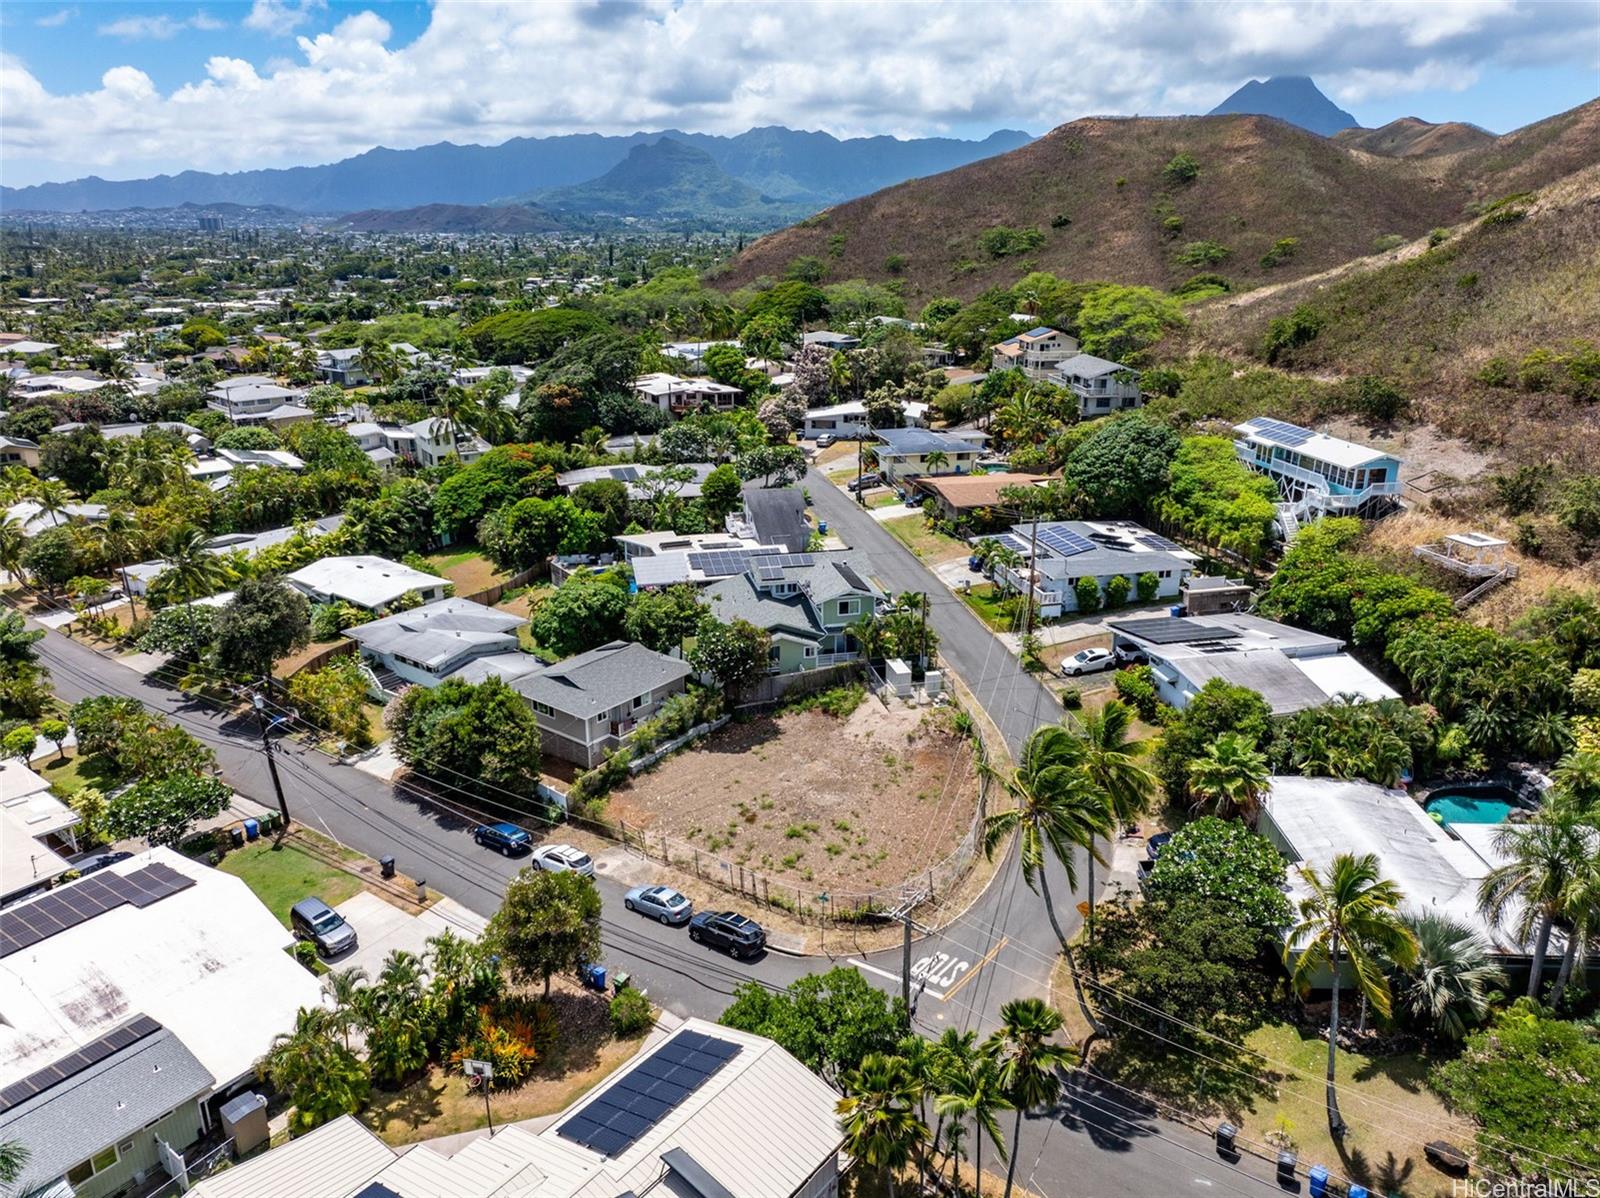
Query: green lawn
x,y
913,532
282,875
453,557
68,777
988,606
1385,1100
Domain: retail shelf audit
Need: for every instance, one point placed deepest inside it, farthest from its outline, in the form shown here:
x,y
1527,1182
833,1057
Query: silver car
x,y
563,858
659,902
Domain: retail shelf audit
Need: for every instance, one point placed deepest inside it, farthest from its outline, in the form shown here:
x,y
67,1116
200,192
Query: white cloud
x,y
56,19
159,28
279,18
487,70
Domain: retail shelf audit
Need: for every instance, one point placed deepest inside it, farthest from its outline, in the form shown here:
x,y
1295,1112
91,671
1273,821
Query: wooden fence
x,y
491,595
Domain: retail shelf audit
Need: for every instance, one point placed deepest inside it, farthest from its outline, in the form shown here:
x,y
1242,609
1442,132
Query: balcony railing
x,y
1325,496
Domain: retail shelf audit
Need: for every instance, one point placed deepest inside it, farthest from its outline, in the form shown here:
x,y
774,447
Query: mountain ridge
x,y
1413,137
819,168
1093,201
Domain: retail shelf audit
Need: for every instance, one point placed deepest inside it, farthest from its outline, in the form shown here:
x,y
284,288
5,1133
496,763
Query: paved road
x,y
1101,1143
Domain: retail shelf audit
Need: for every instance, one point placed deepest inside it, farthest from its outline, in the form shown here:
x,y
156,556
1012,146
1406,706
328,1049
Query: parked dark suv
x,y
738,935
506,838
312,919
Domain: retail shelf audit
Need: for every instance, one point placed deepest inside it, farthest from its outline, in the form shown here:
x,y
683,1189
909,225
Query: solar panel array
x,y
768,573
376,1189
1281,432
1175,631
1013,542
648,1093
72,1064
785,560
1064,542
29,923
719,563
1157,541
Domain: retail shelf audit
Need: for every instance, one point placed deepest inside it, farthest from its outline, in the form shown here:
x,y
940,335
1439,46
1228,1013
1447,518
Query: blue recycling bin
x,y
1358,1192
1317,1180
252,829
1175,610
594,977
822,527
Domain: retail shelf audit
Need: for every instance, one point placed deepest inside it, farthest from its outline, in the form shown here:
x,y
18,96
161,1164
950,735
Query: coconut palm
x,y
1056,808
53,497
936,460
1028,1062
13,541
1532,887
116,538
971,1089
1581,911
193,571
878,1112
1350,914
1230,776
13,1160
1111,763
1449,984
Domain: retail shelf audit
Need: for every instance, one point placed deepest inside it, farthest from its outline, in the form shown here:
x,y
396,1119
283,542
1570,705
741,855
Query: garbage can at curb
x,y
386,865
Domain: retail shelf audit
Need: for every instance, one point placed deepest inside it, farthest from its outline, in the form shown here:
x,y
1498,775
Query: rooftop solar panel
x,y
43,917
1156,541
1064,541
719,563
1281,432
74,1063
1174,631
648,1093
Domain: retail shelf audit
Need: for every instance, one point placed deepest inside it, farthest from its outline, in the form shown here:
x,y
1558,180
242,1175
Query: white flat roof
x,y
1320,818
1333,450
1340,674
363,579
207,962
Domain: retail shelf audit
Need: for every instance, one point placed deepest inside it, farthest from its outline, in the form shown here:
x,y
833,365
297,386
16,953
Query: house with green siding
x,y
807,603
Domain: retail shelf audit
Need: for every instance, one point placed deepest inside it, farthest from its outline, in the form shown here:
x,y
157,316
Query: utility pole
x,y
1031,576
924,632
861,467
272,762
905,964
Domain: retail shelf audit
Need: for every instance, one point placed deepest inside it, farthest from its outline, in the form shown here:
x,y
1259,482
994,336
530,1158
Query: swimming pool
x,y
1484,805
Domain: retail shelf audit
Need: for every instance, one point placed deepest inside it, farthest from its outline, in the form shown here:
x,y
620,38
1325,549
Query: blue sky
x,y
120,89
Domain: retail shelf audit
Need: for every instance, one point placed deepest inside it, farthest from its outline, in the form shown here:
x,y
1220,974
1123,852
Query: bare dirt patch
x,y
848,805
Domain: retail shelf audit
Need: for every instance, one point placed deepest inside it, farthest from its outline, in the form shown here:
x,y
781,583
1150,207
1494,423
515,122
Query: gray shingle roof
x,y
920,440
602,678
738,598
103,1104
778,514
1089,366
438,631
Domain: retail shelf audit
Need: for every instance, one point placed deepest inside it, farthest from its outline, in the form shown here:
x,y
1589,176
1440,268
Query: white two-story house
x,y
1036,353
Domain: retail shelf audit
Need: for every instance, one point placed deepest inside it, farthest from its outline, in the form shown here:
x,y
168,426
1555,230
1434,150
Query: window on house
x,y
772,653
543,708
848,607
98,1163
811,651
640,700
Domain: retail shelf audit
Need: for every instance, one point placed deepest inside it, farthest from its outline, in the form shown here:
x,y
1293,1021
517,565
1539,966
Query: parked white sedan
x,y
659,902
1087,661
563,858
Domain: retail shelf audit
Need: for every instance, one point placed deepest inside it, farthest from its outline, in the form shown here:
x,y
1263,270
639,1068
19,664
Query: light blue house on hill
x,y
1318,475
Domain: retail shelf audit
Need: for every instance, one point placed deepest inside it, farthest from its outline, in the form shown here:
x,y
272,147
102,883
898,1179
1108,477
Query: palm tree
x,y
117,540
13,1160
1230,776
1056,808
1581,910
193,571
1448,986
933,461
1350,914
1542,859
52,496
1028,1062
378,361
13,541
345,989
971,1089
879,1115
1111,763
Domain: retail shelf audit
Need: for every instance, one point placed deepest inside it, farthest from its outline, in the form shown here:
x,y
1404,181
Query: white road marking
x,y
893,977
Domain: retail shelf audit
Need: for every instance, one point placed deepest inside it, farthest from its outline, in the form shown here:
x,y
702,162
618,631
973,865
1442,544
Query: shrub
x,y
1282,250
895,263
1468,280
1072,699
329,620
1181,169
630,1013
1117,590
1087,592
1060,220
504,1038
1289,332
1002,241
1149,584
1203,253
1172,224
1136,687
1224,860
1379,400
1497,372
1586,690
1503,216
1387,242
1438,237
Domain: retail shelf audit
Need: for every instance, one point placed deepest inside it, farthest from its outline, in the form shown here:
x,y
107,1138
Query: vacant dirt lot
x,y
851,805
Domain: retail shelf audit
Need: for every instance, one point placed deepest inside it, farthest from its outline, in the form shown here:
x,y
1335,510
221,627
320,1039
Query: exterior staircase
x,y
383,683
1289,521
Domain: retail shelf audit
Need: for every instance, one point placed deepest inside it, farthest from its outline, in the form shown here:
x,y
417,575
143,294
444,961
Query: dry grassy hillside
x,y
1434,318
1260,180
1094,191
1412,137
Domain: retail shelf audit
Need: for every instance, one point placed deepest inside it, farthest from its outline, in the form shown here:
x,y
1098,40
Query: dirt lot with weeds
x,y
848,805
